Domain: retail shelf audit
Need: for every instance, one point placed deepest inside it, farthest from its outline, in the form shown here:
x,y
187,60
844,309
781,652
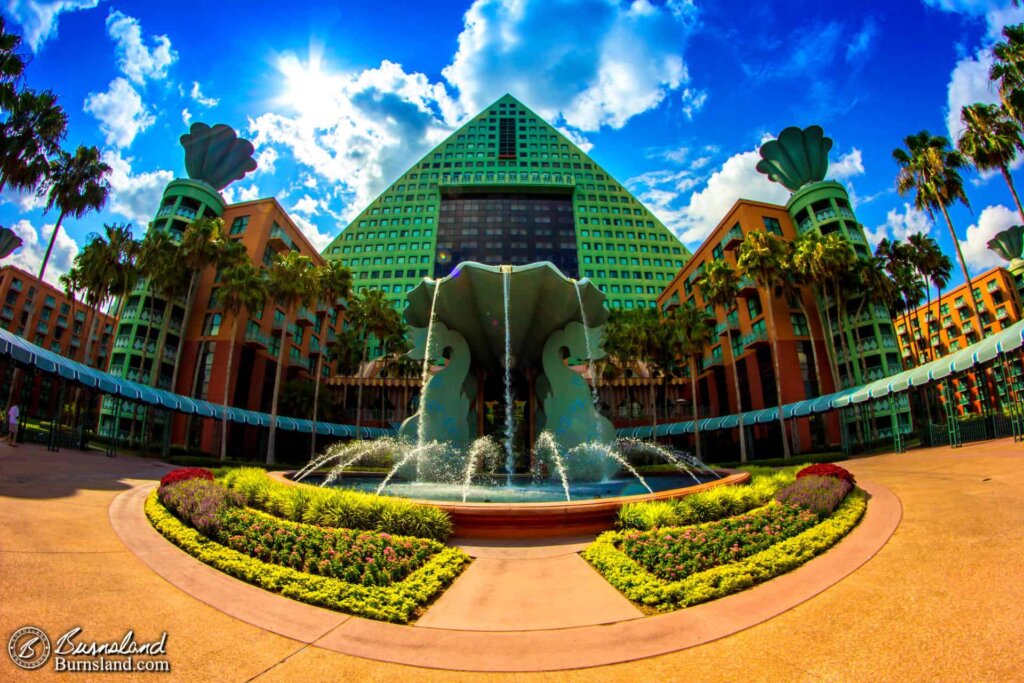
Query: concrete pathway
x,y
941,601
527,586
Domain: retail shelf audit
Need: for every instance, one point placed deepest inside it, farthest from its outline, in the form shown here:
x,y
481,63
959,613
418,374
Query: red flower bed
x,y
184,474
827,470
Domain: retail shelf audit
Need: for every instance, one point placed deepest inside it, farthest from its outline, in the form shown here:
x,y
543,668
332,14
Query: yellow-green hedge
x,y
337,508
644,588
398,602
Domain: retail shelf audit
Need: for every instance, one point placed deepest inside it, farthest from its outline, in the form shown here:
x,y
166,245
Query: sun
x,y
309,87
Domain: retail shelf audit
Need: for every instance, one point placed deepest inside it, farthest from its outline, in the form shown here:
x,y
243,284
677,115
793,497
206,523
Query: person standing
x,y
12,423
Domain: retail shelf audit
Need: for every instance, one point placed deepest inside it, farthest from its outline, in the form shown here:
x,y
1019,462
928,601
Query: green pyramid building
x,y
509,189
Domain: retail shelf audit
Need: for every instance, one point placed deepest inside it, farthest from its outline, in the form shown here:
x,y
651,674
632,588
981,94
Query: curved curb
x,y
546,650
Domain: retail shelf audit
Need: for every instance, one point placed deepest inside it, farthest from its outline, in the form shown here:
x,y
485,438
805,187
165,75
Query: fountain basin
x,y
549,519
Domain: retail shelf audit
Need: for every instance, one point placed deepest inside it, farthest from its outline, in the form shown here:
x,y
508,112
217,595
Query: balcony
x,y
254,337
846,213
961,304
304,363
1001,314
755,337
501,178
166,210
174,326
889,343
304,317
992,286
733,238
805,225
279,240
867,345
314,347
730,327
16,285
824,215
747,287
709,361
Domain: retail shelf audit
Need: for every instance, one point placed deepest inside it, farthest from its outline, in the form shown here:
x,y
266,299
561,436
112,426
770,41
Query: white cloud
x,y
735,179
992,220
39,19
577,139
29,256
186,116
847,166
134,196
693,101
307,205
861,41
676,154
318,239
248,194
266,159
120,111
137,61
590,63
968,84
25,201
202,100
899,225
365,130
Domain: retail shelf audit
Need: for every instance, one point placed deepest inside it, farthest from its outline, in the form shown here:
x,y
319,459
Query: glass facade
x,y
506,229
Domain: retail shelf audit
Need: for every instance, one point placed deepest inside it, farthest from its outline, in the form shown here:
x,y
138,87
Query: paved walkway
x,y
942,601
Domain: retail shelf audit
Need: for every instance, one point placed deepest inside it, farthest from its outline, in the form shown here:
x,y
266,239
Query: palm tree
x,y
108,269
343,353
931,265
291,282
335,284
1008,70
761,257
73,286
78,185
242,288
792,289
30,136
202,245
991,140
930,169
690,335
720,285
805,263
12,66
371,314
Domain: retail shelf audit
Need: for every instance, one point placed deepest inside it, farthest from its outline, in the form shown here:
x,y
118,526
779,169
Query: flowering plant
x,y
827,470
368,558
675,553
820,495
198,502
184,474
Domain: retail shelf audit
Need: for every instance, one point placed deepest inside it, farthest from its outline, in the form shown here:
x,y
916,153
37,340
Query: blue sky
x,y
671,96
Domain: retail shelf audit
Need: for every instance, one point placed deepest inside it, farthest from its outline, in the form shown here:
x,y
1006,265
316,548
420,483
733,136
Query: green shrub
x,y
710,505
337,508
644,588
399,602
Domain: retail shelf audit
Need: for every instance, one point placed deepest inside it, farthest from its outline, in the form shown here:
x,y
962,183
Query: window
x,y
211,324
754,306
506,138
799,325
772,225
239,225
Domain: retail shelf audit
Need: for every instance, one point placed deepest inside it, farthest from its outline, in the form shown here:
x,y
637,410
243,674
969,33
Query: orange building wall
x,y
750,216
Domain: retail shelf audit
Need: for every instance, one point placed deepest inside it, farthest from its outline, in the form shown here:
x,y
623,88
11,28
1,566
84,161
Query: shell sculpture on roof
x,y
1009,243
797,157
217,155
8,242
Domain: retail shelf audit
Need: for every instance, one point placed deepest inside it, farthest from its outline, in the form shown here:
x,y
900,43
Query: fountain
x,y
489,337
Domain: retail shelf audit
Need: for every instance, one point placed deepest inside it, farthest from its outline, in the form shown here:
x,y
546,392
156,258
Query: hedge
x,y
644,588
400,602
710,505
338,508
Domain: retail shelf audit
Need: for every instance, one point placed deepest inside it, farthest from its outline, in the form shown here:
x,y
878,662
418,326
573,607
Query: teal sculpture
x,y
568,403
445,407
9,241
480,320
796,158
1009,244
217,155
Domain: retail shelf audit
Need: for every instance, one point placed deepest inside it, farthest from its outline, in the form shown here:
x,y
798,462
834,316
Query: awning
x,y
25,352
979,353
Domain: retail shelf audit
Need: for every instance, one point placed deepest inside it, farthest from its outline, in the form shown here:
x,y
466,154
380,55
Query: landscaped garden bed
x,y
367,572
744,537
